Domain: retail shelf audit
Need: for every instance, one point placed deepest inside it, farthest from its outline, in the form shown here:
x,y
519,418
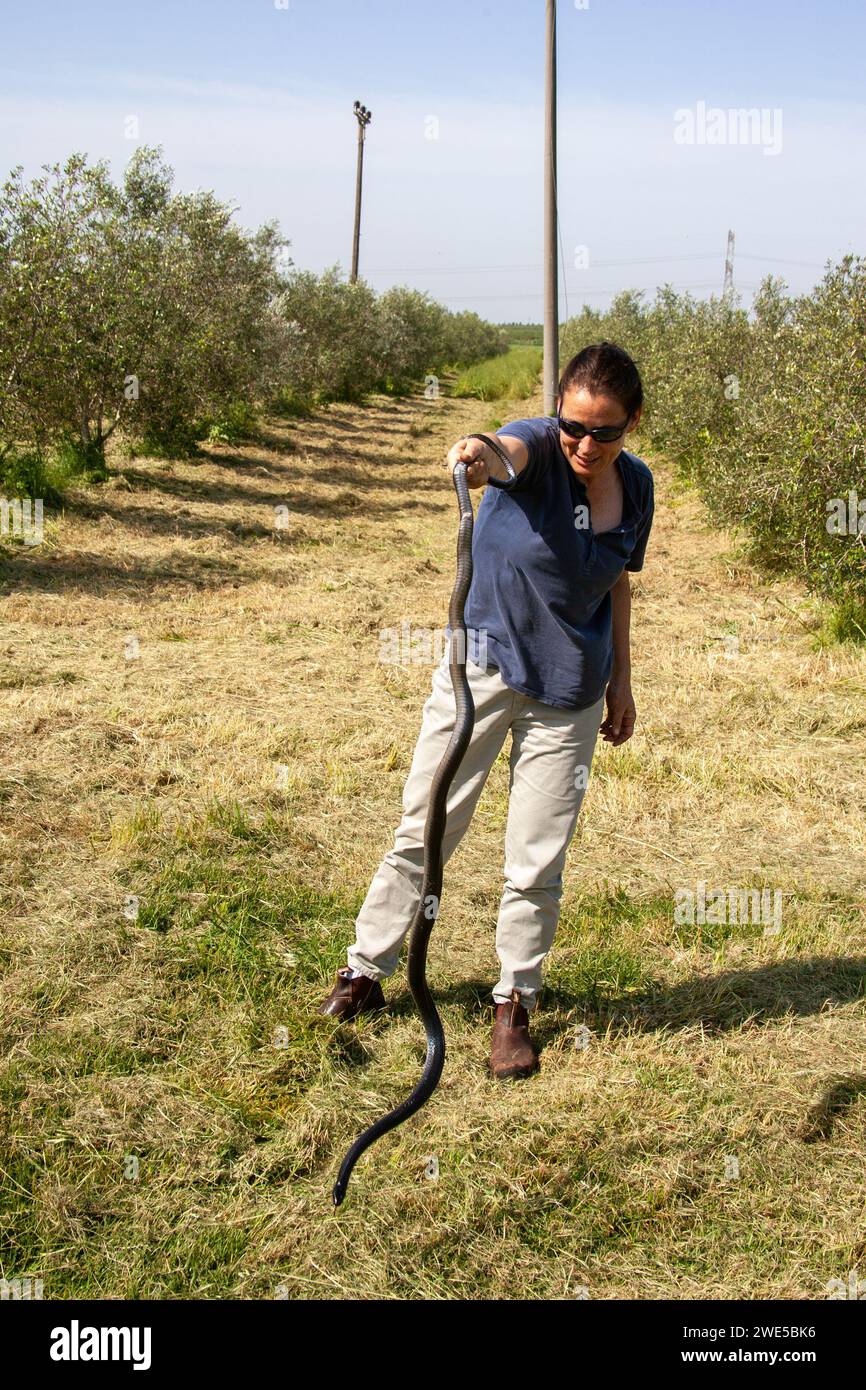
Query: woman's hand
x,y
475,453
621,712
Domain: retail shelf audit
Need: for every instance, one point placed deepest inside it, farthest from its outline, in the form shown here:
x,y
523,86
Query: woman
x,y
547,618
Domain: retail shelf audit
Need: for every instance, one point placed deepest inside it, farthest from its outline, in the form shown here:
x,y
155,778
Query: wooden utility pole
x,y
364,118
551,297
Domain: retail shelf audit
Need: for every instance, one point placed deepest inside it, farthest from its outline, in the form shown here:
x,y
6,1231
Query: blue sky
x,y
254,100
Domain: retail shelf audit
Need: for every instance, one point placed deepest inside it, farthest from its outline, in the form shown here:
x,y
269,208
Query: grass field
x,y
203,763
509,377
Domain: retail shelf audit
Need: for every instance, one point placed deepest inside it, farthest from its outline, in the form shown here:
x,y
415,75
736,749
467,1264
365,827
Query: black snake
x,y
434,830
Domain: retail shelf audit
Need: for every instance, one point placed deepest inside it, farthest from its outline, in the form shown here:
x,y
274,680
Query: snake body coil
x,y
434,830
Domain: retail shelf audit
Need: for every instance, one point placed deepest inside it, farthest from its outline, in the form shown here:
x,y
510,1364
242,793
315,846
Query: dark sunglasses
x,y
602,434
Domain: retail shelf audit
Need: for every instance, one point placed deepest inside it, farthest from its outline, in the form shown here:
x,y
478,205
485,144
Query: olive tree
x,y
129,307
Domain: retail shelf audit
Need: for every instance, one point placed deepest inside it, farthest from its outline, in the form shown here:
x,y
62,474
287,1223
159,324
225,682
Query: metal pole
x,y
728,288
551,298
363,117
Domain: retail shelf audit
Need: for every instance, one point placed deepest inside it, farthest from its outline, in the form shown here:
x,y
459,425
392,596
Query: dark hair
x,y
608,369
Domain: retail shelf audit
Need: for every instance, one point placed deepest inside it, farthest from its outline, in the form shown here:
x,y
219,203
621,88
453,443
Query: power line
x,y
641,289
477,269
605,264
781,260
561,252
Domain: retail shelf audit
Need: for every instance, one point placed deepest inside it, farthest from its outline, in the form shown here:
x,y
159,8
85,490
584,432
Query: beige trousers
x,y
551,754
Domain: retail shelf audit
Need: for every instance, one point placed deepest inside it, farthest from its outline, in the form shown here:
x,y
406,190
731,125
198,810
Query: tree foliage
x,y
766,413
138,309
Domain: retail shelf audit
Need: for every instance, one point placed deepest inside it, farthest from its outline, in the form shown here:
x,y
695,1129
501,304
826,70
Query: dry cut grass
x,y
203,762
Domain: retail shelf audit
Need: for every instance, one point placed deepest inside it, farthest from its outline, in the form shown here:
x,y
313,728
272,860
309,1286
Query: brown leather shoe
x,y
350,997
512,1052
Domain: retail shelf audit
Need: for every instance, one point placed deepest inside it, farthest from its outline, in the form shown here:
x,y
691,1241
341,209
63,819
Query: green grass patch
x,y
291,405
208,1065
845,622
13,679
513,376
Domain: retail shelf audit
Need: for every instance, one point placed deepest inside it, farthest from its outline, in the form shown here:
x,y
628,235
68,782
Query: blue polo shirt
x,y
541,578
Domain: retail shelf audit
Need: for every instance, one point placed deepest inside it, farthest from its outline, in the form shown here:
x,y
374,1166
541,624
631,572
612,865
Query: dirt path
x,y
258,645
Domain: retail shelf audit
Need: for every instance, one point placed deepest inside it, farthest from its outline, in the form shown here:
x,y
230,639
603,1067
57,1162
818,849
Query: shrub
x,y
764,413
332,347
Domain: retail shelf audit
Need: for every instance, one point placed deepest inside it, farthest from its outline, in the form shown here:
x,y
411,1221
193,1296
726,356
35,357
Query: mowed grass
x,y
177,1137
188,836
514,374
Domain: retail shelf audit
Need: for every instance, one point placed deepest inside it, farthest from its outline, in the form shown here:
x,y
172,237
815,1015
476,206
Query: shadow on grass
x,y
840,1094
156,521
100,576
731,999
291,490
87,573
720,1003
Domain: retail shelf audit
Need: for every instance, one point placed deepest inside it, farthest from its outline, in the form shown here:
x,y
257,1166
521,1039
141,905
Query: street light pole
x,y
364,118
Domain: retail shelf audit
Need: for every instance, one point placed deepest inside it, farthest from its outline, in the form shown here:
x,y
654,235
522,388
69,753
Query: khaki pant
x,y
551,754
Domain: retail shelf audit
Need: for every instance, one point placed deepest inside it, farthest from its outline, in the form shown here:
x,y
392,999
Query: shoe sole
x,y
350,1017
513,1073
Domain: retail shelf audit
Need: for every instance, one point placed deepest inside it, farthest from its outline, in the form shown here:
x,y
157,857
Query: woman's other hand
x,y
621,713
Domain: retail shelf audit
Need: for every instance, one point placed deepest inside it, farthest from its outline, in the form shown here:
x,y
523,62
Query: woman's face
x,y
588,458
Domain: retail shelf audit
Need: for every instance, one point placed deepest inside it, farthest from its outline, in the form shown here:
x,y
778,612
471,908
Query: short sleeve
x,y
643,532
533,433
